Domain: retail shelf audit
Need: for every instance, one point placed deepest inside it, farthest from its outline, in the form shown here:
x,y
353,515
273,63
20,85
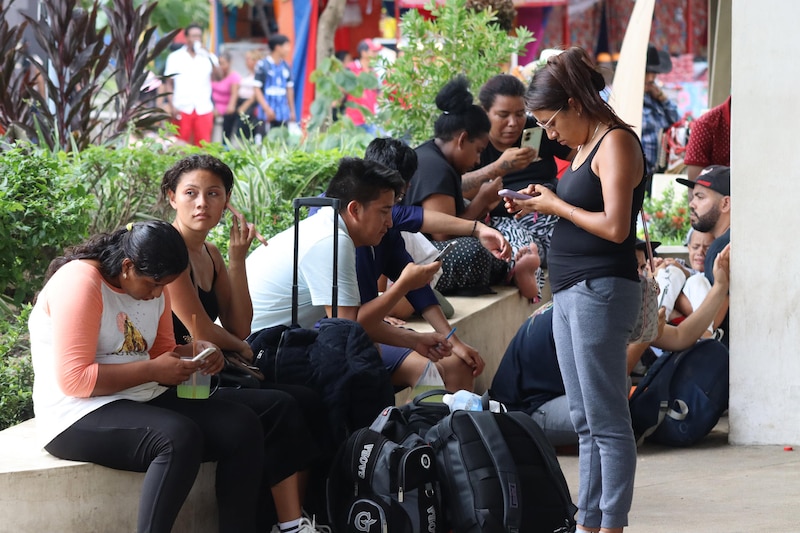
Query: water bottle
x,y
468,401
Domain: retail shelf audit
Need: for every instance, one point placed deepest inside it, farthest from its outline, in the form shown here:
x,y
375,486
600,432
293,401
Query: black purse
x,y
238,373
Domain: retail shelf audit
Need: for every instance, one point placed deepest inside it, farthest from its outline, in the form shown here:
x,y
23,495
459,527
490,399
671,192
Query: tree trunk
x,y
326,29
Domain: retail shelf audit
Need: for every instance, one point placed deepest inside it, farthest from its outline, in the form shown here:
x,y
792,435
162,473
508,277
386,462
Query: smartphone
x,y
446,250
532,137
508,193
202,355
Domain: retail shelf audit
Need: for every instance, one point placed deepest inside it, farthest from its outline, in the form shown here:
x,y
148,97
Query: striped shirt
x,y
275,80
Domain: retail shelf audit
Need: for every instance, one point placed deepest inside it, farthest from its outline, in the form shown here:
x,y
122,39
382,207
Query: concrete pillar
x,y
765,290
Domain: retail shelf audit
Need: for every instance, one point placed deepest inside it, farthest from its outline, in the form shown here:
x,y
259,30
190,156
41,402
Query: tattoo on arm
x,y
473,180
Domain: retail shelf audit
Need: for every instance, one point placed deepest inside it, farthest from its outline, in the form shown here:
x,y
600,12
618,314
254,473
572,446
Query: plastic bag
x,y
429,380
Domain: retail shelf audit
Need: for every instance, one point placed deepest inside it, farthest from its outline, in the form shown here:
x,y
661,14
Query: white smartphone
x,y
202,355
446,250
508,193
532,137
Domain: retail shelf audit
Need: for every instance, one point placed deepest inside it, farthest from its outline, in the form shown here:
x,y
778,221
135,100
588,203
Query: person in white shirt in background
x,y
188,85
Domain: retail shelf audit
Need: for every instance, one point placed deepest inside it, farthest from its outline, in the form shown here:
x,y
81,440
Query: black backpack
x,y
499,474
381,485
682,396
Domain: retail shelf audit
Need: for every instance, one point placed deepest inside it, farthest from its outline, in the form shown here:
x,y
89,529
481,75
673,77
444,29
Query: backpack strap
x,y
495,443
682,410
387,415
656,383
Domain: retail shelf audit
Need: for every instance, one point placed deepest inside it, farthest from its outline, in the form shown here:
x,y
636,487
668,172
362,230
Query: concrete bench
x,y
39,492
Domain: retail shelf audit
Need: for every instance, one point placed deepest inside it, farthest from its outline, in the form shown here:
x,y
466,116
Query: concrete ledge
x,y
39,492
676,251
488,323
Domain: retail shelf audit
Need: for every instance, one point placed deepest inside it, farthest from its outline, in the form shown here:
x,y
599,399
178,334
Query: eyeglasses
x,y
546,126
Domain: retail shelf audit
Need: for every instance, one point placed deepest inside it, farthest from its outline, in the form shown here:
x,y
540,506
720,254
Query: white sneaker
x,y
307,525
310,526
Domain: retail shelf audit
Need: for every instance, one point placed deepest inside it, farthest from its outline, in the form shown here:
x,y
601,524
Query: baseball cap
x,y
715,177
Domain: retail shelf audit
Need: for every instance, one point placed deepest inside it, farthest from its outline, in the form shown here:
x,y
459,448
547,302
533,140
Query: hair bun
x,y
455,97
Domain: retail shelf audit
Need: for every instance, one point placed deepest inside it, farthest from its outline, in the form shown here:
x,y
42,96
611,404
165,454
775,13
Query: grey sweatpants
x,y
592,321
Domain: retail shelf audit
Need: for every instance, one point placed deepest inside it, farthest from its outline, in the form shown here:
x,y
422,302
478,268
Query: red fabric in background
x,y
669,25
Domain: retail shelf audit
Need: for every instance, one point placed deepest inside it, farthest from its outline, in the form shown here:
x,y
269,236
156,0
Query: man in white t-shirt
x,y
367,191
188,71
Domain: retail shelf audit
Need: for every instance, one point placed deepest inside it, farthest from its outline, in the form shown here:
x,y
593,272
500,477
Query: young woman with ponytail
x,y
593,274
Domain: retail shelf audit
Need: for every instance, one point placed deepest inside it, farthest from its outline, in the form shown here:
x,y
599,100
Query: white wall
x,y
765,189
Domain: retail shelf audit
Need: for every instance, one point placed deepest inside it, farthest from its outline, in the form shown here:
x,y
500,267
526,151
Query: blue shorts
x,y
393,356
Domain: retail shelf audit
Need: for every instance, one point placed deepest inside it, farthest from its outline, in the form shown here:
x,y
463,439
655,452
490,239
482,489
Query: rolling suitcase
x,y
338,359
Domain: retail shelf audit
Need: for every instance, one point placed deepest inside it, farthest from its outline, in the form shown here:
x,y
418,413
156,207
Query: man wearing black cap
x,y
658,111
710,211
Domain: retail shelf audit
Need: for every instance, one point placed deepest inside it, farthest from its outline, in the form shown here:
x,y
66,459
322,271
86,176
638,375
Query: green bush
x,y
269,176
41,212
668,217
16,371
333,82
456,40
125,180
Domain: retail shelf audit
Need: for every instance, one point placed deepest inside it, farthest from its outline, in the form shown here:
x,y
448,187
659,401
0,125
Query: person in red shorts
x,y
188,71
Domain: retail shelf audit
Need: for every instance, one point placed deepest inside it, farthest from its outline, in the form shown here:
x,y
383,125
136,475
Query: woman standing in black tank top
x,y
593,274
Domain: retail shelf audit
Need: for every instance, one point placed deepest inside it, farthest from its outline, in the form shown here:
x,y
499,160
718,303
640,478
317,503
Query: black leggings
x,y
168,438
288,444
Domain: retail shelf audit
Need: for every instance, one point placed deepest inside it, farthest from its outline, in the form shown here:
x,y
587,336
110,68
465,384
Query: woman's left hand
x,y
242,235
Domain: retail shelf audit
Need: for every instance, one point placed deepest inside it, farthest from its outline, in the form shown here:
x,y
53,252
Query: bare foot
x,y
526,262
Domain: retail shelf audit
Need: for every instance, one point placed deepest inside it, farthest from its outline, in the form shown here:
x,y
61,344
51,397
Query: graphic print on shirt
x,y
133,339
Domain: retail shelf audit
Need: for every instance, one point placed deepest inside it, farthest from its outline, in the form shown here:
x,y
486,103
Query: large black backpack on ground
x,y
499,474
682,396
383,480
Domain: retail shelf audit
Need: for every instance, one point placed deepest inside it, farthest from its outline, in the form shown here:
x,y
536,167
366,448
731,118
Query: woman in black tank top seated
x,y
199,187
592,261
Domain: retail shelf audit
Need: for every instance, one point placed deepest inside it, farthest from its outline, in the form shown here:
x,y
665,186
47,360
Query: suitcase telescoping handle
x,y
316,201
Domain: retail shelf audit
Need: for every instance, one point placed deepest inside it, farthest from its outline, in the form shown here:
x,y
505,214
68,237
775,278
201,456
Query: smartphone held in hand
x,y
202,355
508,193
446,250
532,137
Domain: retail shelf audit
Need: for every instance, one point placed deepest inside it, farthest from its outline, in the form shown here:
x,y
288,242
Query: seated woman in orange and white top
x,y
105,359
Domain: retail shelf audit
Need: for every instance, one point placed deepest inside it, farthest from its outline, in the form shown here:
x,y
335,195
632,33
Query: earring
x,y
124,275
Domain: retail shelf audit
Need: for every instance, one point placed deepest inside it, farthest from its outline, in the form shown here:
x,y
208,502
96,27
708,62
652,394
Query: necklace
x,y
580,147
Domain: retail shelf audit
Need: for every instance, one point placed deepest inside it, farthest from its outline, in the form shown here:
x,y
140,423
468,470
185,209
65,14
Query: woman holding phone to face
x,y
198,187
593,273
104,358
